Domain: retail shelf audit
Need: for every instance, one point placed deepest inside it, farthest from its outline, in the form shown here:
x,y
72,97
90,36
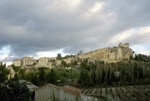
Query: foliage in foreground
x,y
3,73
12,90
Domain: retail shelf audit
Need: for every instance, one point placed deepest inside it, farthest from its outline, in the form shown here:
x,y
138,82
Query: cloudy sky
x,y
46,27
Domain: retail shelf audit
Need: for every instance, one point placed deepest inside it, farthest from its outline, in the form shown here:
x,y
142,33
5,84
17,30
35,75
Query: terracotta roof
x,y
68,89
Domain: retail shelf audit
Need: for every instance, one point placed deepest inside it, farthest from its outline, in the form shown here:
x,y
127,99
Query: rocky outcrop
x,y
11,72
115,54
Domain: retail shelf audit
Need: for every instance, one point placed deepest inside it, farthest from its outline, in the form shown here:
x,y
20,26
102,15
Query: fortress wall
x,y
110,54
126,45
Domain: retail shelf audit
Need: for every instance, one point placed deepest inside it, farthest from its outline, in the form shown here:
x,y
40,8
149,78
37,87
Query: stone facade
x,y
115,54
28,61
70,59
44,62
17,62
52,92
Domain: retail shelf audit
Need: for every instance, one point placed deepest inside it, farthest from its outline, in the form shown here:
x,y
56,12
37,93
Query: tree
x,y
52,77
92,78
35,80
42,76
53,63
84,65
13,90
3,73
18,91
59,57
63,63
16,68
81,78
3,93
84,79
80,52
22,73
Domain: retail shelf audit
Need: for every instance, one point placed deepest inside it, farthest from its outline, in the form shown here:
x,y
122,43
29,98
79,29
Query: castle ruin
x,y
114,54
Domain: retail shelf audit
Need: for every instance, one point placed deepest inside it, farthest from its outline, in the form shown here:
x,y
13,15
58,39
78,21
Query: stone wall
x,y
115,54
49,93
57,93
126,45
70,59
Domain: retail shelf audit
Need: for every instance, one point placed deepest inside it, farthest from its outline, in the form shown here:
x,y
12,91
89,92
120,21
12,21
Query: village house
x,y
28,61
52,92
43,62
17,62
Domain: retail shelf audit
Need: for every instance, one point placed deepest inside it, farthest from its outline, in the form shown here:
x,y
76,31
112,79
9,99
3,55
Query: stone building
x,y
70,59
28,61
17,62
52,92
44,62
114,54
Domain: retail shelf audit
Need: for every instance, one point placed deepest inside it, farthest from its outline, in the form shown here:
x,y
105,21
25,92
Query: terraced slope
x,y
124,93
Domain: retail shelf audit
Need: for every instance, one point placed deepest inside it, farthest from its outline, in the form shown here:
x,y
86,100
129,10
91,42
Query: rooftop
x,y
17,60
68,89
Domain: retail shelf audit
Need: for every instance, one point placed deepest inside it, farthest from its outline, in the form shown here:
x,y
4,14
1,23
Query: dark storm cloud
x,y
43,25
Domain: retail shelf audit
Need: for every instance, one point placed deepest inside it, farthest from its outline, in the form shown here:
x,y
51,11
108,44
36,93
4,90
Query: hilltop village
x,y
100,72
107,55
114,54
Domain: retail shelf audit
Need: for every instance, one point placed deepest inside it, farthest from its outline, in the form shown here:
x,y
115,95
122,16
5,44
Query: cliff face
x,y
115,54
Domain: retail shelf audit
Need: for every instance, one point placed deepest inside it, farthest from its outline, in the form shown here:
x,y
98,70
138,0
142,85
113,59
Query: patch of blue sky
x,y
146,46
142,48
138,28
5,51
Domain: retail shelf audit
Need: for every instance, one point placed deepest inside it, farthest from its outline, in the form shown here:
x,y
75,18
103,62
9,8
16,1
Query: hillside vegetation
x,y
121,73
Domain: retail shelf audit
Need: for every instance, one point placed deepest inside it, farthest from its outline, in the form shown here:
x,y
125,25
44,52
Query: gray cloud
x,y
10,58
32,26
